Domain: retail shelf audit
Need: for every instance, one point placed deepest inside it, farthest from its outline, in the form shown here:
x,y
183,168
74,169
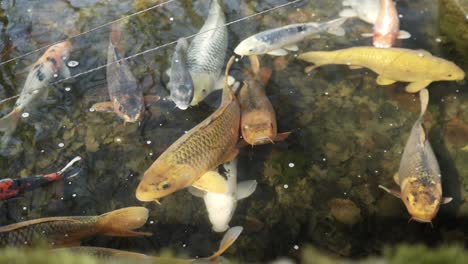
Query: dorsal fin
x,y
19,225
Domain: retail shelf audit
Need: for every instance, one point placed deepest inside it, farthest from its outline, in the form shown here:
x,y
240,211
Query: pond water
x,y
319,187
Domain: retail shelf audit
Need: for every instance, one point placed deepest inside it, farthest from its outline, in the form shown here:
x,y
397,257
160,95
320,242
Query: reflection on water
x,y
318,187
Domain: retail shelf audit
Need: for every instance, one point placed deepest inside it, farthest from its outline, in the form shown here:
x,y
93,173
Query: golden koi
x,y
419,173
418,67
191,159
69,230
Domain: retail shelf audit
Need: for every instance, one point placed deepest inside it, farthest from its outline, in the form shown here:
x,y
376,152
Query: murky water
x,y
348,133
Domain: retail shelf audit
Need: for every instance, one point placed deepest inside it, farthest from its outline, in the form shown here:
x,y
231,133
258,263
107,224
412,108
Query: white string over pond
x,y
158,47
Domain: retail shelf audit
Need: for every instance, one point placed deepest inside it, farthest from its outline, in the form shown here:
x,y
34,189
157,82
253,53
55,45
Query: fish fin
x,y
65,71
384,81
310,68
318,58
282,136
9,122
337,31
355,67
168,72
196,192
278,52
245,189
415,87
228,239
402,34
367,35
121,222
396,178
103,107
151,99
424,99
212,182
231,155
254,64
446,200
390,191
291,47
347,13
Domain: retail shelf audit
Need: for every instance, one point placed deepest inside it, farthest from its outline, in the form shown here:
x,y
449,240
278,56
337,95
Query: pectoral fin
x,y
291,47
278,52
415,87
310,68
103,107
245,189
337,31
404,35
384,81
446,200
390,191
282,136
211,182
396,178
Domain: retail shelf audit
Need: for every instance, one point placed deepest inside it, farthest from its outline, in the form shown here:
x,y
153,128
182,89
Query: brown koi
x,y
258,118
191,159
68,231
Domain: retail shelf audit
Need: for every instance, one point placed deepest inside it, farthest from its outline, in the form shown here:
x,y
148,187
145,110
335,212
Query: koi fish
x,y
108,253
380,13
180,83
126,95
221,206
191,159
46,68
12,187
277,41
419,174
69,230
418,67
258,118
206,54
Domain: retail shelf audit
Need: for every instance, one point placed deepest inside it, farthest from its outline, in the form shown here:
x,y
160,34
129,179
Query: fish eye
x,y
450,75
407,198
203,90
166,186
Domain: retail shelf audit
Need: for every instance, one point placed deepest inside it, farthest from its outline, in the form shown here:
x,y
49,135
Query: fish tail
x,y
121,222
9,122
424,98
228,239
334,26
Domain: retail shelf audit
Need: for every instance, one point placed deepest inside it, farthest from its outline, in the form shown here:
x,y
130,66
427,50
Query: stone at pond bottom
x,y
345,211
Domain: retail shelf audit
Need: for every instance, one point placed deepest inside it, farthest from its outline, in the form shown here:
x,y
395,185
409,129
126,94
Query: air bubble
x,y
148,142
151,153
92,109
285,186
74,195
73,64
67,89
171,19
25,208
438,40
25,115
61,145
151,222
55,75
296,247
291,165
118,140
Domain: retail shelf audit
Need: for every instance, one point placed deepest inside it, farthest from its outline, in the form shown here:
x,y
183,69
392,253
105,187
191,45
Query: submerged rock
x,y
345,211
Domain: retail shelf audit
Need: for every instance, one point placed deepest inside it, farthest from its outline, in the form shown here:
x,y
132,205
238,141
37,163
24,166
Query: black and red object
x,y
10,188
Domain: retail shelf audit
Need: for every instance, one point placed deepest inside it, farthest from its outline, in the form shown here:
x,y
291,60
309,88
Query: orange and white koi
x,y
47,67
